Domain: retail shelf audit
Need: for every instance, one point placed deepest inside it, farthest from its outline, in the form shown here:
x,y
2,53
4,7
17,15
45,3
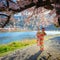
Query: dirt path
x,y
52,52
24,54
52,49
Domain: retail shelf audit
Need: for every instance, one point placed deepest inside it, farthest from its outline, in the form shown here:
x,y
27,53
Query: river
x,y
7,37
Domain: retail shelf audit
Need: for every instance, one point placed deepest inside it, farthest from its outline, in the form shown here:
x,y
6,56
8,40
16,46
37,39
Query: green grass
x,y
7,48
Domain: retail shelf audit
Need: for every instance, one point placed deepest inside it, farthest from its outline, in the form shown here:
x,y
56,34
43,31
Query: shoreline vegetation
x,y
10,47
10,30
18,30
7,48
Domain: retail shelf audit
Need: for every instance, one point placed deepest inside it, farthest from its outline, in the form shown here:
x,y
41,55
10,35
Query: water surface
x,y
7,37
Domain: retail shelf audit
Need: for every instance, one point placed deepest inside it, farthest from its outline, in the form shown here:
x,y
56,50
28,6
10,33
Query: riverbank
x,y
7,48
52,50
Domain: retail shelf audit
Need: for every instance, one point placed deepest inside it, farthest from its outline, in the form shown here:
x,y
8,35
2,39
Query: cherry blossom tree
x,y
36,11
